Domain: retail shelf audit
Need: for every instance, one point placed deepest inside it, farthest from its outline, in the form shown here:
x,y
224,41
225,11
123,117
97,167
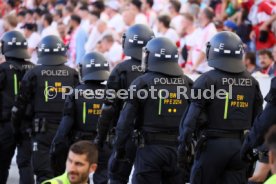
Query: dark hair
x,y
38,11
49,18
84,8
69,9
266,52
96,14
165,19
150,2
251,56
76,18
209,12
21,13
29,12
137,3
87,148
108,38
176,5
188,16
270,139
99,5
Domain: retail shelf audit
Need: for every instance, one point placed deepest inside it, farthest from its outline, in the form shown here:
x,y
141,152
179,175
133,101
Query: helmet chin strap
x,y
79,68
123,40
145,57
207,50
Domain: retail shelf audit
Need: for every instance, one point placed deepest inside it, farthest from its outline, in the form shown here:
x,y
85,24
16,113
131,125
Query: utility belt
x,y
217,134
214,134
79,135
41,125
155,138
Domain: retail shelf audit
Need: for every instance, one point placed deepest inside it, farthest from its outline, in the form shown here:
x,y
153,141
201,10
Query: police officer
x,y
45,87
14,48
217,158
135,38
82,109
157,116
261,125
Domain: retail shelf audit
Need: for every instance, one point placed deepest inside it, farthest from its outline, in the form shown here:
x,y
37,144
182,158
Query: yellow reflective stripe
x,y
15,84
226,106
84,112
46,91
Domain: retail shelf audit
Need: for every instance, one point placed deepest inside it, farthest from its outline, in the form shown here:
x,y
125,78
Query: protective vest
x,y
271,180
235,111
14,72
51,82
88,107
63,179
164,112
124,73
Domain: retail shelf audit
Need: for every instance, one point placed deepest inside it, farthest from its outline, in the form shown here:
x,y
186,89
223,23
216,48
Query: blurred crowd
x,y
89,25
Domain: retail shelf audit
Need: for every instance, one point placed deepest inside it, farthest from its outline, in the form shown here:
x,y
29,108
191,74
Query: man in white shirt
x,y
149,13
176,18
33,38
163,29
205,32
115,21
188,40
112,50
135,6
98,32
48,29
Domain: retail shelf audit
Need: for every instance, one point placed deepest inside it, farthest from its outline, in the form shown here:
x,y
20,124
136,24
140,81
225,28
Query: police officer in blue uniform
x,y
156,117
82,109
134,39
217,158
44,87
14,48
261,125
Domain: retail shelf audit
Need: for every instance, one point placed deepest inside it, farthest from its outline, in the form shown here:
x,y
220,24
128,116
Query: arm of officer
x,y
25,96
111,107
2,82
189,119
264,120
125,125
67,120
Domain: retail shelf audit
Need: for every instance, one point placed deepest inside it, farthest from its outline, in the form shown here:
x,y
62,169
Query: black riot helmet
x,y
225,51
51,51
135,38
161,55
94,67
14,45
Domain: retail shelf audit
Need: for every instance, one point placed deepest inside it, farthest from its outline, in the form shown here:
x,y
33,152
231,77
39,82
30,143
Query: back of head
x,y
14,45
225,51
94,67
161,55
135,38
51,51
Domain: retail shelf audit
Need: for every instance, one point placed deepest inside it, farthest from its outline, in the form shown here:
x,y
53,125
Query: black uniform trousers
x,y
23,158
156,164
219,162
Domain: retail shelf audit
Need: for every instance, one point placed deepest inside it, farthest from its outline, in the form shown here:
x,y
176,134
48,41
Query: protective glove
x,y
247,153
